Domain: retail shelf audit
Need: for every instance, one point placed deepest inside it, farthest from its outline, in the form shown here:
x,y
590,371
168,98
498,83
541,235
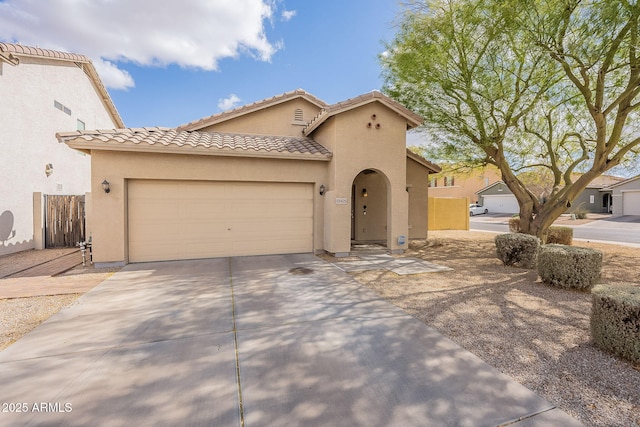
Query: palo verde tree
x,y
530,86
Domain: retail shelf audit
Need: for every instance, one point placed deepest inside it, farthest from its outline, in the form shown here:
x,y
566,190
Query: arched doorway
x,y
369,209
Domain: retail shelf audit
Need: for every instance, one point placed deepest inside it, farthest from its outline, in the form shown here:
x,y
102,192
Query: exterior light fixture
x,y
364,192
105,186
48,169
322,189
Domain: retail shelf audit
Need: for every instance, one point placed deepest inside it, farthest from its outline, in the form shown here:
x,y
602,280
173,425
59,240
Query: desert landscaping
x,y
537,334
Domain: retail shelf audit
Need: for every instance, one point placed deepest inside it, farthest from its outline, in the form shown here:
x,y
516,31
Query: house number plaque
x,y
341,201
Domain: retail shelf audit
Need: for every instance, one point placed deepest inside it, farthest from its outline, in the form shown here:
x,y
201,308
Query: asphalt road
x,y
623,230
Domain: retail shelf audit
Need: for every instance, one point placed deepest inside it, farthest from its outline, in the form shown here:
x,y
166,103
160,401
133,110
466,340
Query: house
x,y
289,174
497,198
595,198
459,184
44,92
625,197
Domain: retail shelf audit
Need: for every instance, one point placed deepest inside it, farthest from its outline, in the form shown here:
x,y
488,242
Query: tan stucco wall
x,y
109,219
448,213
275,120
418,186
357,147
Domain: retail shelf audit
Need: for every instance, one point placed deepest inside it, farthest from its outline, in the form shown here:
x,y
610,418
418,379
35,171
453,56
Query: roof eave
x,y
251,108
85,146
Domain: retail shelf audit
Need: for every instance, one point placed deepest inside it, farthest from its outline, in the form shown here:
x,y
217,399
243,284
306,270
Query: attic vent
x,y
298,116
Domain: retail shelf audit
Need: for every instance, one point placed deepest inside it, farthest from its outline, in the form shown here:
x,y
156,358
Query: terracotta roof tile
x,y
366,98
255,106
217,142
43,53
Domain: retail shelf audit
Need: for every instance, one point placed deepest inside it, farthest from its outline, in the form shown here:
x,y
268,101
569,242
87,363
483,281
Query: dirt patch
x,y
537,334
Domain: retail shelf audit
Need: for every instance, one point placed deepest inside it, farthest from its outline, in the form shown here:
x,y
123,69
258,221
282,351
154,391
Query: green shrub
x,y
516,249
615,320
514,224
569,266
560,235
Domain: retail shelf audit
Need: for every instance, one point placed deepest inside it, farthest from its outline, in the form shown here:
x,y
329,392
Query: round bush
x,y
516,249
615,319
569,266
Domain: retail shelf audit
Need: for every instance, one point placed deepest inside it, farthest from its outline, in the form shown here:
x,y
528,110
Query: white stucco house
x,y
43,92
626,197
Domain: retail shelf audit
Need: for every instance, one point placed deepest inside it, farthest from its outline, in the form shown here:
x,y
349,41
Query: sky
x,y
169,62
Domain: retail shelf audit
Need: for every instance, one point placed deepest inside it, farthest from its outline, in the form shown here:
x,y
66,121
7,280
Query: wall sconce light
x,y
364,192
322,189
48,169
105,186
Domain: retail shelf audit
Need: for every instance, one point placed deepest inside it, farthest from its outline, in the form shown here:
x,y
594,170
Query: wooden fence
x,y
64,221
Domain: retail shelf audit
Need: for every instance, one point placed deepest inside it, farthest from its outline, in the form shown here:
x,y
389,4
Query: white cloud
x,y
189,33
288,14
229,102
112,76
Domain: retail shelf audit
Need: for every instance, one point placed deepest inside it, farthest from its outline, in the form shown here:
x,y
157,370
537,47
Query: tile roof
x,y
424,162
255,106
192,142
12,52
413,119
20,50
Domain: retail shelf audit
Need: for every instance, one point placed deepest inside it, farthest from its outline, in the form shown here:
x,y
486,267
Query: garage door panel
x,y
192,219
631,203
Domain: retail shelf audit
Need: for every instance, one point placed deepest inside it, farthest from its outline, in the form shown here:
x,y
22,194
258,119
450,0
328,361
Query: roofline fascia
x,y
87,147
328,113
248,109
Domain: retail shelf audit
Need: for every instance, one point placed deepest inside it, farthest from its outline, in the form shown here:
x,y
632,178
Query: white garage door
x,y
171,220
631,203
503,203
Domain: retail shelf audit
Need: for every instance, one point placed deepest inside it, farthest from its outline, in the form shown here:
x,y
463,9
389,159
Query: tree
x,y
525,85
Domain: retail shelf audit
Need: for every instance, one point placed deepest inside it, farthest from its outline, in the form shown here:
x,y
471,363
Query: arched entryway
x,y
369,209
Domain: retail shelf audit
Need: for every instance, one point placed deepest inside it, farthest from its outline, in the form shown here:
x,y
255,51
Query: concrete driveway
x,y
256,341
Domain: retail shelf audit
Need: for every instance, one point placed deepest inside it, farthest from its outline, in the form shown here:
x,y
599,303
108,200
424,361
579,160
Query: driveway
x,y
255,341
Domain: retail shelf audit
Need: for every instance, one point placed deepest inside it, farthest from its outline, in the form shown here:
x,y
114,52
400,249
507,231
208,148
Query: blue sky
x,y
166,63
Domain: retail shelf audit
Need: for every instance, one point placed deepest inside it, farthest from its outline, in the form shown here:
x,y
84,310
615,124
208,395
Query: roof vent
x,y
298,115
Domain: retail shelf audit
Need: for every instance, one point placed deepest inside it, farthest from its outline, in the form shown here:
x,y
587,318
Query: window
x,y
448,181
433,182
61,107
80,125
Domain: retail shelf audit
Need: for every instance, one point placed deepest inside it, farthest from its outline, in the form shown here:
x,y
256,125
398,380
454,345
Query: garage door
x,y
501,203
171,220
631,203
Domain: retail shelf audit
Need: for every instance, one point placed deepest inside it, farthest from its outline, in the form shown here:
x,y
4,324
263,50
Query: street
x,y
621,230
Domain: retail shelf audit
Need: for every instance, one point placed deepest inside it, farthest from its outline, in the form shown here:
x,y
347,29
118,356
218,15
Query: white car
x,y
475,209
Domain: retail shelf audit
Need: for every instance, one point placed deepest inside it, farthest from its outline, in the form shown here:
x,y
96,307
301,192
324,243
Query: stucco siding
x,y
29,122
417,187
275,120
109,210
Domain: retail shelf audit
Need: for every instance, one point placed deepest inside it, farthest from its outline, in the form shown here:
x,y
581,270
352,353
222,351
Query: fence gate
x,y
64,221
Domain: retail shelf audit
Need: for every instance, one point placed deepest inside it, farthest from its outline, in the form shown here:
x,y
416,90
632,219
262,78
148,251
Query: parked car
x,y
475,209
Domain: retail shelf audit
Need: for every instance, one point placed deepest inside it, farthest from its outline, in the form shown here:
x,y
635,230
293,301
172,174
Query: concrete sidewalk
x,y
259,341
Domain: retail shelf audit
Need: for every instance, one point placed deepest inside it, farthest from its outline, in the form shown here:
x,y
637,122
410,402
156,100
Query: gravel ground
x,y
536,334
18,316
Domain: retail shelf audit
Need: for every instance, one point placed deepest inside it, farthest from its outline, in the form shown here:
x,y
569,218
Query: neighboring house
x,y
626,197
595,198
457,184
497,198
289,174
43,92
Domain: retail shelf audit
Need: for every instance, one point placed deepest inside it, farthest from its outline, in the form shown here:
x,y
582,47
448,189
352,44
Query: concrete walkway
x,y
255,341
